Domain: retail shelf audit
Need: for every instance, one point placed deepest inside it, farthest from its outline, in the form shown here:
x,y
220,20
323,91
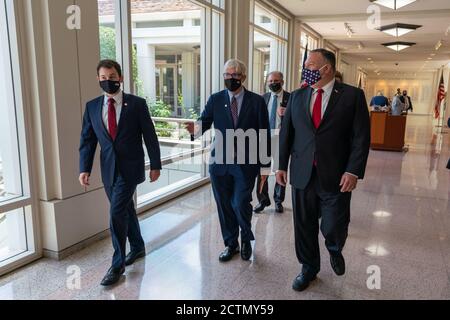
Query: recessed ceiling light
x,y
432,54
430,58
398,45
399,29
393,4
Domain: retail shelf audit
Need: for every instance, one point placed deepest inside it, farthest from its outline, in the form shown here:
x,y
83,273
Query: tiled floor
x,y
400,223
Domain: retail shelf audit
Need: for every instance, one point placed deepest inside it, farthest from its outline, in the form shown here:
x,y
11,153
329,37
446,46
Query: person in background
x,y
397,105
339,78
406,100
276,101
379,100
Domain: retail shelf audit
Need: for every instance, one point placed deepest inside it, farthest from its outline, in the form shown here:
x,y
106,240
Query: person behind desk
x,y
379,100
339,77
397,106
407,101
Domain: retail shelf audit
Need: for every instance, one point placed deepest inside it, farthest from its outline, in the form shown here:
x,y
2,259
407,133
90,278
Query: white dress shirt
x,y
118,98
327,91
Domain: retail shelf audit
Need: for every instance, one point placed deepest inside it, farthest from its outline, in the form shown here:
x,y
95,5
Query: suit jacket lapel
x,y
335,95
123,114
101,102
227,107
244,107
267,98
307,97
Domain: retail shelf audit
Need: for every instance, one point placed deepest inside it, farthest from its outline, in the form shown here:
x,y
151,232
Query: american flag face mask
x,y
311,77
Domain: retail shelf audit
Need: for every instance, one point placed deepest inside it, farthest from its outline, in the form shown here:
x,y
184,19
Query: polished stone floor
x,y
400,227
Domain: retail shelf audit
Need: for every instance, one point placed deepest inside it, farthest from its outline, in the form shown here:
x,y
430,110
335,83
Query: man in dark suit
x,y
118,122
406,100
276,101
326,134
235,161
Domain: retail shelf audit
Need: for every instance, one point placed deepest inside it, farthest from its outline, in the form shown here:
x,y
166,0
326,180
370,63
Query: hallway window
x,y
168,57
107,29
15,210
175,71
168,76
270,37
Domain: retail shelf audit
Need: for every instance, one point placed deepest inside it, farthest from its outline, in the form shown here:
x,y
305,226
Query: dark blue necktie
x,y
273,113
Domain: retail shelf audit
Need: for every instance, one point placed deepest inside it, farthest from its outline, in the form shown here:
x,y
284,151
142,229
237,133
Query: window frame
x,y
124,44
29,201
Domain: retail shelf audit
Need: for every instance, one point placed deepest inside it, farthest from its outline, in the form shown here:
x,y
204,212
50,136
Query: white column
x,y
189,68
275,54
69,214
147,70
258,72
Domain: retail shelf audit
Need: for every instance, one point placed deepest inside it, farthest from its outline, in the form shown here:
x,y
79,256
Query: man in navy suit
x,y
276,101
234,170
118,122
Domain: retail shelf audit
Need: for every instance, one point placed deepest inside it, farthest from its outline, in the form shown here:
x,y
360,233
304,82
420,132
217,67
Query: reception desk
x,y
387,131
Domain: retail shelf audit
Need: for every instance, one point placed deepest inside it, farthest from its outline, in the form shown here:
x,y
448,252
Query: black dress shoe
x,y
279,208
133,256
228,254
246,250
337,263
302,281
261,206
112,276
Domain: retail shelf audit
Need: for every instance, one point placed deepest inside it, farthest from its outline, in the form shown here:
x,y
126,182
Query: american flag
x,y
440,97
303,84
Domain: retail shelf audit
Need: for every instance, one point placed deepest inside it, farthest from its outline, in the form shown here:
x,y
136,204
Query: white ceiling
x,y
327,17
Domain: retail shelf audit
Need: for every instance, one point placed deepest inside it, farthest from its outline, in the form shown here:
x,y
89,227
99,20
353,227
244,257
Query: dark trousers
x,y
233,194
308,205
279,192
123,220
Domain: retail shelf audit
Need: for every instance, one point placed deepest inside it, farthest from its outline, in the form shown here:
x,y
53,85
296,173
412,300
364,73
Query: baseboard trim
x,y
60,255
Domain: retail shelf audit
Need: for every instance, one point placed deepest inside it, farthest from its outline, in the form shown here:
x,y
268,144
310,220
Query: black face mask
x,y
110,86
275,87
233,84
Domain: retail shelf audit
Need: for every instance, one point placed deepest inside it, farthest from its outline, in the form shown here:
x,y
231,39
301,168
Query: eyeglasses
x,y
232,75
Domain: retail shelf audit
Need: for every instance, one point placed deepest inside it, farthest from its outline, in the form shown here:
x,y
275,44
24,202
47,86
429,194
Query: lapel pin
x,y
226,106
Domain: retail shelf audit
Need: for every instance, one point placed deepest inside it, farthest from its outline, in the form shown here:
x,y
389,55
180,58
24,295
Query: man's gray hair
x,y
236,64
278,73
